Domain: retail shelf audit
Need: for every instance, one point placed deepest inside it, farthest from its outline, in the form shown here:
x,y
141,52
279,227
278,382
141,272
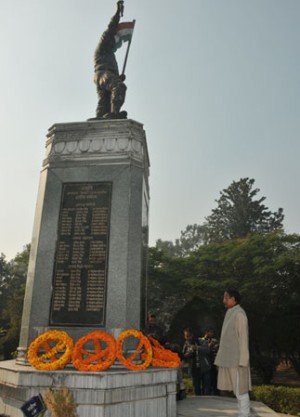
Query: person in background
x,y
196,354
154,330
214,346
232,358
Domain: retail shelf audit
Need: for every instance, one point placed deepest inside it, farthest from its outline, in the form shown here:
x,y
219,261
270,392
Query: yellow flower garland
x,y
98,360
49,360
163,357
58,350
144,345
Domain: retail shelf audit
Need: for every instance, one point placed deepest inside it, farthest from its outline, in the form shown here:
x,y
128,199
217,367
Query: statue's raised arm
x,y
110,85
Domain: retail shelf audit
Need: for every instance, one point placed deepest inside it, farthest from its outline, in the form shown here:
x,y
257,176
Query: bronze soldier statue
x,y
110,84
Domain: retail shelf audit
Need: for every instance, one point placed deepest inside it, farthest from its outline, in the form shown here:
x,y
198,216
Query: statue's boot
x,y
120,115
107,116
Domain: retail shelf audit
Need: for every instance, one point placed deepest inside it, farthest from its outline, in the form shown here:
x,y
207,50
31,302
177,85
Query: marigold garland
x,y
163,357
53,343
99,359
143,347
54,350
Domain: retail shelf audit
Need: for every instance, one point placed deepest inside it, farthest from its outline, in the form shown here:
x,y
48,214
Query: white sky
x,y
216,84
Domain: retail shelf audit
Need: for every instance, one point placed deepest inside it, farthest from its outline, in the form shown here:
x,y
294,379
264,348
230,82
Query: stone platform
x,y
214,406
116,392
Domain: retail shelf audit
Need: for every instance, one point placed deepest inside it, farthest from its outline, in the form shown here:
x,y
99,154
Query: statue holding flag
x,y
110,84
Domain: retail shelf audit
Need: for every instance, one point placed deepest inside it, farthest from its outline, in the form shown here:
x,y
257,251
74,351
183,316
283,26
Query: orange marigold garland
x,y
55,347
163,357
143,347
96,357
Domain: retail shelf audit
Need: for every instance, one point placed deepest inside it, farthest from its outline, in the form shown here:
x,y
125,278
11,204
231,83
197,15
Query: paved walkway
x,y
203,406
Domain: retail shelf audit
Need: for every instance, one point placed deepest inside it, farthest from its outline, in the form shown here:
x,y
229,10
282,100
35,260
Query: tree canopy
x,y
190,239
266,270
12,289
239,214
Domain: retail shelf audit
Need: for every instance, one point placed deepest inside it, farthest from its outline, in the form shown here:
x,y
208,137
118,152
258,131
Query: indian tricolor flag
x,y
124,33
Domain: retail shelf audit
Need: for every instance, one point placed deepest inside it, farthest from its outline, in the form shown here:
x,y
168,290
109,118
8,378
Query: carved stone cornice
x,y
97,139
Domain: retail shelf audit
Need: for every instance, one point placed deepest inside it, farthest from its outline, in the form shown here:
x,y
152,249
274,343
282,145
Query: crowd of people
x,y
197,355
214,365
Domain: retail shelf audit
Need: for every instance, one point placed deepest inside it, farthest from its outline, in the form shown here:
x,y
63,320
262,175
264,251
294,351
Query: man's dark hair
x,y
188,330
235,294
208,329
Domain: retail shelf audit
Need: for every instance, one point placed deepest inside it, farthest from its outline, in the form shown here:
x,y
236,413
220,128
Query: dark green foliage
x,y
197,314
12,288
165,292
280,399
5,275
238,214
264,267
242,245
190,240
264,364
188,386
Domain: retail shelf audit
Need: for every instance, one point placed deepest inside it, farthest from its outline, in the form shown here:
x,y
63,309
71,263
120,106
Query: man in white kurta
x,y
233,355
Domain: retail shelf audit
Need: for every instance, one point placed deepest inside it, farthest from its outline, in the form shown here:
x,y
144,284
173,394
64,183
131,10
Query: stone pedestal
x,y
91,222
114,393
86,268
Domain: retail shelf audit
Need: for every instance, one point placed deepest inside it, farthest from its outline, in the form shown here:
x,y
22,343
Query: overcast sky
x,y
216,84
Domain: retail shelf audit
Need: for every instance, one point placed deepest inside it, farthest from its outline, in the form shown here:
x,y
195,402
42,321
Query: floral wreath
x,y
163,357
99,359
52,343
54,350
144,348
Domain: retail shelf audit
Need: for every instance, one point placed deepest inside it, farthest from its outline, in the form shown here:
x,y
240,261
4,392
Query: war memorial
x,y
86,271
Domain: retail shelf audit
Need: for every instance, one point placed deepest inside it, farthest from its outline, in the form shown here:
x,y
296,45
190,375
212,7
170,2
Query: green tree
x,y
13,279
197,314
165,289
4,288
266,269
239,214
190,240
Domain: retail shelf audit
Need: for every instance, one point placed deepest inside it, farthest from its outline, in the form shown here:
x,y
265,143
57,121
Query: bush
x,y
188,386
265,366
280,399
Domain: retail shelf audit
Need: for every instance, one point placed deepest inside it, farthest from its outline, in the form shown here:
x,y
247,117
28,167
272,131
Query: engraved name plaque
x,y
80,268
